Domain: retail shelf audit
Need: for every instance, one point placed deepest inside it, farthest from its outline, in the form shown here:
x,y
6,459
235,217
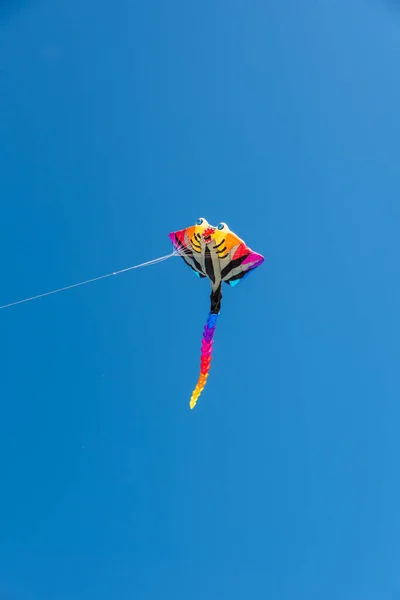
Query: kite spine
x,y
205,361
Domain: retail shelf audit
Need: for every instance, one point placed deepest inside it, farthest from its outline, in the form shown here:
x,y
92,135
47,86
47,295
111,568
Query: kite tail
x,y
205,361
206,345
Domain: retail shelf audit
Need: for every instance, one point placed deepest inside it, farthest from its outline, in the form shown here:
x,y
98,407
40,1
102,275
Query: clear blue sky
x,y
117,126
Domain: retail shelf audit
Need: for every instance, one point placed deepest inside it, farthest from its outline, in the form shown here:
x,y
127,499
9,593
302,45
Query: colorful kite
x,y
216,253
213,252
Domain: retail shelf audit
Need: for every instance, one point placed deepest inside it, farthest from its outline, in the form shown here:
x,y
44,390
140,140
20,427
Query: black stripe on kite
x,y
197,273
238,276
216,297
195,244
208,263
233,265
220,244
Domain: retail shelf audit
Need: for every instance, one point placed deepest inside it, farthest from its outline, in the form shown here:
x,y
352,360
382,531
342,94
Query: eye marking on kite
x,y
202,222
222,226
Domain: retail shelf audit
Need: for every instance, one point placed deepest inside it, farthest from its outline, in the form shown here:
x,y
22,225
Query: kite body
x,y
221,256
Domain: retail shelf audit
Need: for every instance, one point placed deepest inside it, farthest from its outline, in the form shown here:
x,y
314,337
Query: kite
x,y
211,252
220,255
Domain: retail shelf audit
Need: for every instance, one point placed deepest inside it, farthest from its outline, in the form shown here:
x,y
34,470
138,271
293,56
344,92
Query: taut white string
x,y
74,285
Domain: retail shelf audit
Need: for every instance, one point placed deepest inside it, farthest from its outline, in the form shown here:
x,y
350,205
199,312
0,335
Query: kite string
x,y
74,285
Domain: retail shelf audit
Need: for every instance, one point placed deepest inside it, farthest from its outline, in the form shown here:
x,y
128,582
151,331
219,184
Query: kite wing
x,y
185,243
240,260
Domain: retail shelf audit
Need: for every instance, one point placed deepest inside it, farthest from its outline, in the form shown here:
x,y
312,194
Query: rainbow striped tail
x,y
206,351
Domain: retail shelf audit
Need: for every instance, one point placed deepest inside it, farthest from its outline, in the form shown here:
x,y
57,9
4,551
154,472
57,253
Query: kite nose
x,y
207,233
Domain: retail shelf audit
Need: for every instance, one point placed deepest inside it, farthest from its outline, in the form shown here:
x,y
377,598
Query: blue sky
x,y
118,126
